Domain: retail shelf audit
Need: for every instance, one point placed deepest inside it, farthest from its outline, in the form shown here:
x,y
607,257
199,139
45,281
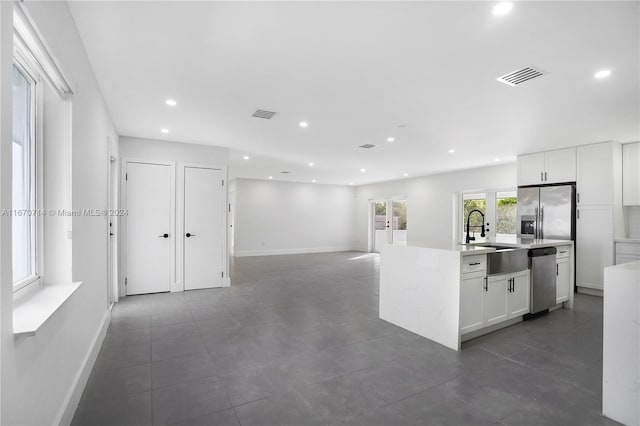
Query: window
x,y
471,202
23,179
506,212
499,209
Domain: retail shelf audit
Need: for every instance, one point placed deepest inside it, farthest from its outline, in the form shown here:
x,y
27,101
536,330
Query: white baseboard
x,y
68,409
590,291
277,252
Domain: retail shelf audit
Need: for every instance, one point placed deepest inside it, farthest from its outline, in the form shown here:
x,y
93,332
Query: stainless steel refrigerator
x,y
547,212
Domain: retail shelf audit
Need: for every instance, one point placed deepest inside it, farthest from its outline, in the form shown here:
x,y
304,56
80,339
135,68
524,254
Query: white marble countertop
x,y
481,247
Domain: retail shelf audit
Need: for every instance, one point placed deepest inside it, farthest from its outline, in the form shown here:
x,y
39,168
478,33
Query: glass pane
x,y
380,215
22,199
400,215
506,212
473,202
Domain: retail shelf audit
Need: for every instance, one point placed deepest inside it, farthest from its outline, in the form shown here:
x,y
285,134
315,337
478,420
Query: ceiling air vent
x,y
285,172
520,76
367,146
260,113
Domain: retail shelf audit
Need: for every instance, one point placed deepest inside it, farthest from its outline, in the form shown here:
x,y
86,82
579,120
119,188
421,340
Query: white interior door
x,y
149,241
203,228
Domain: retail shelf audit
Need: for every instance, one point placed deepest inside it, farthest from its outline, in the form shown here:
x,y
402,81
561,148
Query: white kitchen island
x,y
435,289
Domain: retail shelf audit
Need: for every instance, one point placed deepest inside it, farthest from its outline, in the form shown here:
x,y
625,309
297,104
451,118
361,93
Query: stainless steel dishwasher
x,y
542,263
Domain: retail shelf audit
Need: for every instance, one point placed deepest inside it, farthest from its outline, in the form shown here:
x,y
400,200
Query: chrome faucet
x,y
482,233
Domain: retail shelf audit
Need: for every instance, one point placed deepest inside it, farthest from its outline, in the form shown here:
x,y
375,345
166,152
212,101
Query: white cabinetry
x,y
631,174
471,293
495,300
599,210
486,301
547,167
594,245
627,252
563,275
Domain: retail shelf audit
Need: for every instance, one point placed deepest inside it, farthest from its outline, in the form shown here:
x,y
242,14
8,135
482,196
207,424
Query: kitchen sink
x,y
507,260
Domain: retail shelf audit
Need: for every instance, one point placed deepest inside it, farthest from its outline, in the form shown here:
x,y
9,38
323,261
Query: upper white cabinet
x,y
599,174
547,167
631,174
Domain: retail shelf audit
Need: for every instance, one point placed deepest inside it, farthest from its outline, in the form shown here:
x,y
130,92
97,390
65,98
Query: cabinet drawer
x,y
563,252
474,263
628,248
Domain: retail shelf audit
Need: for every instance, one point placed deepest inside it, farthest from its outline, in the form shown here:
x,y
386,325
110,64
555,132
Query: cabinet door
x,y
594,245
495,300
631,174
531,169
471,293
563,275
595,174
560,165
518,298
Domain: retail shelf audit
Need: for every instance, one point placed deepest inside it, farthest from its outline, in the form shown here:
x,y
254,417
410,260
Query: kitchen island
x,y
441,290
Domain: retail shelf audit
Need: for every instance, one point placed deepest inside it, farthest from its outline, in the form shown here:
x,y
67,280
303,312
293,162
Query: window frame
x,y
29,71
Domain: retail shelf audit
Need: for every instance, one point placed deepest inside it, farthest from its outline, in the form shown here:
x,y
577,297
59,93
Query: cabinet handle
x,y
545,176
541,179
557,270
474,264
578,197
578,213
486,283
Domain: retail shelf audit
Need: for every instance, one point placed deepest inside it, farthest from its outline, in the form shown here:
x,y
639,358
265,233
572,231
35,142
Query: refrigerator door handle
x,y
541,222
535,228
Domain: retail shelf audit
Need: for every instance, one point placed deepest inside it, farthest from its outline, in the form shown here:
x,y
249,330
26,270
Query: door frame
x,y
224,281
113,240
123,203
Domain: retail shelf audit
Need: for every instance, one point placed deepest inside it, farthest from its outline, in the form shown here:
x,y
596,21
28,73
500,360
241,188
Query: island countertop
x,y
481,247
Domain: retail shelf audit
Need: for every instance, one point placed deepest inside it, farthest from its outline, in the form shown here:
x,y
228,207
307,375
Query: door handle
x,y
188,235
163,236
486,283
541,222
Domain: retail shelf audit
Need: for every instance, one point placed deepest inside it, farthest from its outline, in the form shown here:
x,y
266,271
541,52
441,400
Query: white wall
x,y
430,214
274,217
41,373
180,154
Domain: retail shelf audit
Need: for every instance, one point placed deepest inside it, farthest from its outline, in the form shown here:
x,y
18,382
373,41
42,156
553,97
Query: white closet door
x,y
203,228
149,239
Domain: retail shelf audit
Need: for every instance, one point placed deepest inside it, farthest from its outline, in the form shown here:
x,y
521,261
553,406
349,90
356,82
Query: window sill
x,y
32,310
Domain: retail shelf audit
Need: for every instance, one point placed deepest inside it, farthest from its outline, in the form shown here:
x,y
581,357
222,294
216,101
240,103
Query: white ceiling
x,y
356,71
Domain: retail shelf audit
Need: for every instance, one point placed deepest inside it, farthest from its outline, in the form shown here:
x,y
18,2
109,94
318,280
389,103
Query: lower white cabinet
x,y
471,294
594,245
563,277
485,301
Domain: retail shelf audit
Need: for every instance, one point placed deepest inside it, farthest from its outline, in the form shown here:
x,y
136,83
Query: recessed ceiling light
x,y
350,183
406,174
246,157
496,159
502,8
391,139
164,130
270,177
171,102
311,164
363,170
602,74
452,151
313,181
304,124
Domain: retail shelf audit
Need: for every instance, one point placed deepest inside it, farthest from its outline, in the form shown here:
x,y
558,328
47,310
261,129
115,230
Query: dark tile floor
x,y
296,340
